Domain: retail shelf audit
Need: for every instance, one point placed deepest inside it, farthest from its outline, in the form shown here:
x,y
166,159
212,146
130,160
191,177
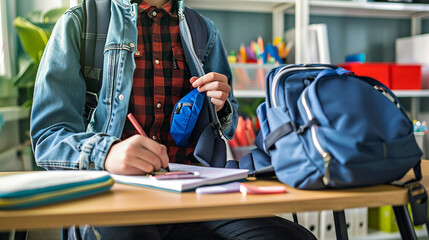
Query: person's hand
x,y
136,155
215,85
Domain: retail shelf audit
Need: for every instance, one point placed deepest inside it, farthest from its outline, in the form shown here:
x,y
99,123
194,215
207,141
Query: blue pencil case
x,y
33,189
185,115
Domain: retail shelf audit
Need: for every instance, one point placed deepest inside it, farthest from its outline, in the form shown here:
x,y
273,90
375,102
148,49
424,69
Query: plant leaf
x,y
53,15
33,38
27,76
34,16
27,104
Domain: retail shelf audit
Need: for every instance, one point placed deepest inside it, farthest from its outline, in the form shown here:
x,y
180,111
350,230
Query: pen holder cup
x,y
420,139
249,76
239,152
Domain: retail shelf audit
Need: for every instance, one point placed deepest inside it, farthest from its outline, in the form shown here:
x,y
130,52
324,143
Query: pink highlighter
x,y
249,189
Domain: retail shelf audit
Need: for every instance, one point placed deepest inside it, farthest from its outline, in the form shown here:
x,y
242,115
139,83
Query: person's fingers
x,y
159,150
192,80
119,157
130,170
143,153
214,86
135,171
164,156
154,153
146,160
209,77
218,95
218,103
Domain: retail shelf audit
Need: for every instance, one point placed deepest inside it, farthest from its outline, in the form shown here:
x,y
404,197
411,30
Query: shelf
x,y
8,154
249,93
398,93
368,9
13,113
411,93
321,7
252,66
238,5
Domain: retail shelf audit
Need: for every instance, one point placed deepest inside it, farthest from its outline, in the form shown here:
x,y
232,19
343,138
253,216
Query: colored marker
x,y
176,176
136,125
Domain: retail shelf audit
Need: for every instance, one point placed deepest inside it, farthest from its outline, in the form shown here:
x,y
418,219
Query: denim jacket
x,y
58,134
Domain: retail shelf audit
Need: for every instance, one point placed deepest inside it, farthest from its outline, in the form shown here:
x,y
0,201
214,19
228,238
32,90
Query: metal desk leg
x,y
340,225
12,234
404,222
4,235
20,235
295,217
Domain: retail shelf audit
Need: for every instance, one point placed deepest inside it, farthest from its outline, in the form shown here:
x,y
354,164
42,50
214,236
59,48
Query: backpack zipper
x,y
180,105
387,95
325,155
286,70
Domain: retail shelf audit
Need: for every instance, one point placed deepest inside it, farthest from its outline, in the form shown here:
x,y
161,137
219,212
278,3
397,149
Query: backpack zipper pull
x,y
327,161
180,105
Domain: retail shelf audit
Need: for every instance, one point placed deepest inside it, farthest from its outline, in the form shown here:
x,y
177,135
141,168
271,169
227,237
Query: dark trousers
x,y
255,228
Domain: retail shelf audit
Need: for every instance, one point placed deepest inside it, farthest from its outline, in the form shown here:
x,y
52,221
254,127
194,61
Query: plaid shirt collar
x,y
146,7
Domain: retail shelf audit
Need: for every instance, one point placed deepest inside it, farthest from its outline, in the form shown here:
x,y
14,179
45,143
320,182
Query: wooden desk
x,y
129,205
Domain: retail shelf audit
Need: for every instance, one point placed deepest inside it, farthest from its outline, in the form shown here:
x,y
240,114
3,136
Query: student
x,y
146,71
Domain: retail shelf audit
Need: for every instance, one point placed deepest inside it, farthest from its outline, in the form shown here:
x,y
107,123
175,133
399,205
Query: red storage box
x,y
406,76
378,71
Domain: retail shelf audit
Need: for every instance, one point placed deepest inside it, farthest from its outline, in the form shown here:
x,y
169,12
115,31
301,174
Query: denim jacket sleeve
x,y
215,60
58,133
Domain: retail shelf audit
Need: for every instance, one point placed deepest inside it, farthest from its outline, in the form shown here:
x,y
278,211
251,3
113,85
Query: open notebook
x,y
208,176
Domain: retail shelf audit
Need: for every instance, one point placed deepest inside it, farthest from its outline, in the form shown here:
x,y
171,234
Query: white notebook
x,y
208,176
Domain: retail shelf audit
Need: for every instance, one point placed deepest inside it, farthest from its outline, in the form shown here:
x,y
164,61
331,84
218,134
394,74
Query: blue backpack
x,y
325,127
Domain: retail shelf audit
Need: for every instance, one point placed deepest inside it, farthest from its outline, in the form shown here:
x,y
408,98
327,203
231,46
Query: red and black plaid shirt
x,y
161,77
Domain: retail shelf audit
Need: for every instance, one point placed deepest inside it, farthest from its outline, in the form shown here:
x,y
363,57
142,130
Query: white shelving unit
x,y
344,7
11,158
304,8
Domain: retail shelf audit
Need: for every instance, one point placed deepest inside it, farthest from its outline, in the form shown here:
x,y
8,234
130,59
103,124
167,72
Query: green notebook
x,y
32,189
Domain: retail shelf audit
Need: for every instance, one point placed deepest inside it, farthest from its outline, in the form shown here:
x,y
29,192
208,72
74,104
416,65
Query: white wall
x,y
26,6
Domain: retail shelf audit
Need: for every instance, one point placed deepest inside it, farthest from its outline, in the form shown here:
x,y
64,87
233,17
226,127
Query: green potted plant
x,y
34,32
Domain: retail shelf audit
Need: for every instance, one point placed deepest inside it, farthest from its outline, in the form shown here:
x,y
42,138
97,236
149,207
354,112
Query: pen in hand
x,y
140,130
136,125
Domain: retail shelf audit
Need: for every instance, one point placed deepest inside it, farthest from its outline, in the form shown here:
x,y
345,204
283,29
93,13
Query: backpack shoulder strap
x,y
96,19
199,32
